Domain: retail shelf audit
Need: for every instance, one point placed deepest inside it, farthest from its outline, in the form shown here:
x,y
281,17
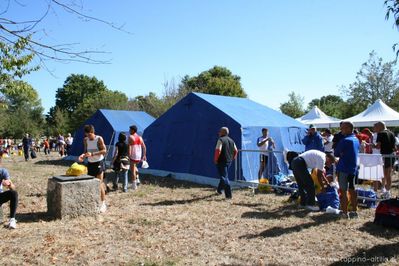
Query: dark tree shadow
x,y
283,211
169,182
374,256
33,217
60,162
379,230
250,205
279,231
179,202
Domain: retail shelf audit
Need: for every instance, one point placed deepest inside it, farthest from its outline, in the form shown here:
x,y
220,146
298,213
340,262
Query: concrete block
x,y
69,199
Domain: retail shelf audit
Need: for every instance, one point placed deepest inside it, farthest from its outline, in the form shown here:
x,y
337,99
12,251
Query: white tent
x,y
318,118
376,112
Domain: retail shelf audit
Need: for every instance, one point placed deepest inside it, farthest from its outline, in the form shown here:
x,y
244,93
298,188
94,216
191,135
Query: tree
x,y
217,80
23,112
393,9
375,80
294,106
80,97
107,99
32,29
150,104
331,105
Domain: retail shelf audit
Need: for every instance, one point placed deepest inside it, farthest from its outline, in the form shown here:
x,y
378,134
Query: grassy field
x,y
166,222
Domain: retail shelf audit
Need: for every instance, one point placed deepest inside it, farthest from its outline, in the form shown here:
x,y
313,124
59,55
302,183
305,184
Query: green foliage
x,y
393,9
150,104
217,80
79,98
375,80
75,90
294,106
331,105
23,110
14,60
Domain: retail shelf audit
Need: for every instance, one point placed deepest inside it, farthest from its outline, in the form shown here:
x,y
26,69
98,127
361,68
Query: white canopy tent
x,y
318,118
376,112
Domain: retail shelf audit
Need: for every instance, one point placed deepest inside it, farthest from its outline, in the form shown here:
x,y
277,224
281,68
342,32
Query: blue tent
x,y
108,124
183,139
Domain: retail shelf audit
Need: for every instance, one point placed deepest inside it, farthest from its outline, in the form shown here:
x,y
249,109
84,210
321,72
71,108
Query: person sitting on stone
x,y
10,195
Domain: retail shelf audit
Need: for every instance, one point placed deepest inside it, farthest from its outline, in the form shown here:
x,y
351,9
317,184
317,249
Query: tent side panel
x,y
183,139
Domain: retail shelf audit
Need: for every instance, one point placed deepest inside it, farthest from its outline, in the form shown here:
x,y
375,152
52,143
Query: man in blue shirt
x,y
348,152
9,195
313,140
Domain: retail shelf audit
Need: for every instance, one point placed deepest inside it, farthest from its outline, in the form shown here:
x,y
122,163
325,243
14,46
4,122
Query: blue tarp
x,y
108,124
183,139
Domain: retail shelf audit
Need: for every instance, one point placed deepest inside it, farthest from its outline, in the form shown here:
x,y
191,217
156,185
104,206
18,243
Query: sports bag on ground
x,y
387,213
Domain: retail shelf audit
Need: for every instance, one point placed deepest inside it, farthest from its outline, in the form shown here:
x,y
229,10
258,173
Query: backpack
x,y
33,154
387,213
329,198
367,193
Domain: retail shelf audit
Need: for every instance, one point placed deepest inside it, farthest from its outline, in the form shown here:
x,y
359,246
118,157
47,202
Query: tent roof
x,y
318,118
121,120
376,112
249,113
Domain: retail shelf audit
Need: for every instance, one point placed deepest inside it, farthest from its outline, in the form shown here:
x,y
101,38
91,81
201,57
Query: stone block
x,y
69,199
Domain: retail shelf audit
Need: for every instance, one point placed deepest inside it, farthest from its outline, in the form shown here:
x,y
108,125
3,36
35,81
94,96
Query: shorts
x,y
135,161
264,158
95,168
388,161
346,181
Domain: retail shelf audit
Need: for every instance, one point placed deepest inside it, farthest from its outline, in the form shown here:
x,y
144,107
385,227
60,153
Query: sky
x,y
311,47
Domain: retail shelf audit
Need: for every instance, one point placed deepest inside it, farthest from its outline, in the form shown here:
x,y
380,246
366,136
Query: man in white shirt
x,y
263,142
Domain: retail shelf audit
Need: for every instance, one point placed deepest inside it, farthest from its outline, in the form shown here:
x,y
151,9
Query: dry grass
x,y
166,222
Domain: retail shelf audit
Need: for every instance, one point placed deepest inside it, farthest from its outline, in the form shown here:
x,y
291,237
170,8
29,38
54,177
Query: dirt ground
x,y
167,222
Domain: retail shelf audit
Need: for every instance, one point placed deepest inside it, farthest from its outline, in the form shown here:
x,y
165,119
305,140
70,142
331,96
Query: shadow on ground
x,y
33,217
376,255
279,231
60,162
278,213
179,202
169,182
379,230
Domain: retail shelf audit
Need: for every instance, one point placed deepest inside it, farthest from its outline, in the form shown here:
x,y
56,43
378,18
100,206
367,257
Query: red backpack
x,y
387,213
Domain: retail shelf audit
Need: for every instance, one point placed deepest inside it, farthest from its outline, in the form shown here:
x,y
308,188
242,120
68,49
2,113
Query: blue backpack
x,y
329,198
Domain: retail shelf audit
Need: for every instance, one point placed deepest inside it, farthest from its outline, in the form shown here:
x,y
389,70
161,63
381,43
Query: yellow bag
x,y
263,185
77,169
317,185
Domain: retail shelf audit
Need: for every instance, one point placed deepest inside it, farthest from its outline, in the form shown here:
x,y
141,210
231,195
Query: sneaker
x,y
134,185
386,195
12,224
353,215
103,207
312,208
343,215
219,192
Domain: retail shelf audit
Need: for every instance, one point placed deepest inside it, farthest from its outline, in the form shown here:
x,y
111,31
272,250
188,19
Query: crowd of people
x,y
335,159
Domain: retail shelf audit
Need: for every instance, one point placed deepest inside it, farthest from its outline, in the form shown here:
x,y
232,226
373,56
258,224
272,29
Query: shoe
x,y
103,207
312,208
138,180
386,195
125,190
12,224
134,185
219,192
353,215
344,216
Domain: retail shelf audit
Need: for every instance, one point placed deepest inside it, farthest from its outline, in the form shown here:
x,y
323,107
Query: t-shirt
x,y
135,141
4,175
122,148
328,143
263,147
226,146
348,152
314,159
387,140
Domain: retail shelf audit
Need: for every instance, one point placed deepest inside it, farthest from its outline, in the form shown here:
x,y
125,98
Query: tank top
x,y
92,146
135,150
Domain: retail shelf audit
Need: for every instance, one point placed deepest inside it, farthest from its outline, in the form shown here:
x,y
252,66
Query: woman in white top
x,y
94,151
